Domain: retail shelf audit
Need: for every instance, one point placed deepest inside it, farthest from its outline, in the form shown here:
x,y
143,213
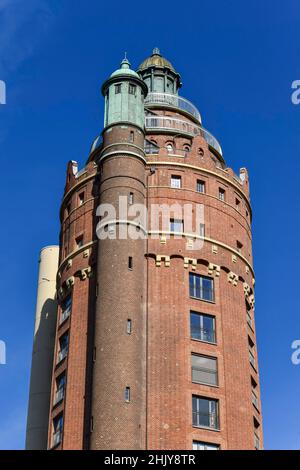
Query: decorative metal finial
x,y
125,64
156,51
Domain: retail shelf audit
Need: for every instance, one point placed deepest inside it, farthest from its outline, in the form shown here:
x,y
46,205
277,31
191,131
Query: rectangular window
x,y
222,194
60,388
132,89
237,204
205,412
65,309
203,327
256,442
197,445
204,370
176,225
175,181
130,262
118,89
130,198
63,347
129,326
131,136
249,318
200,186
127,394
239,246
58,423
201,287
202,230
81,198
79,241
251,352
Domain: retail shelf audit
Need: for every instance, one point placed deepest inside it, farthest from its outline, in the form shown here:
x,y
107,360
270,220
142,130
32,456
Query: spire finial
x,y
156,51
125,64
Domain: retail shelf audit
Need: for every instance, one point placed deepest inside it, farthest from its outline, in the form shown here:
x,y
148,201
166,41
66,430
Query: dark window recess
x,y
222,194
130,198
79,241
81,198
132,89
200,186
129,326
130,262
201,287
118,89
127,394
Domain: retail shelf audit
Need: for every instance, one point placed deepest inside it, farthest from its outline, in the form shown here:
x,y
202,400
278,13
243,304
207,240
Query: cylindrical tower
x,y
202,380
42,354
119,381
155,338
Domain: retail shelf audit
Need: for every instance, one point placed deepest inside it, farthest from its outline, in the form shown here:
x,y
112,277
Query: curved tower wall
x,y
42,354
135,385
119,379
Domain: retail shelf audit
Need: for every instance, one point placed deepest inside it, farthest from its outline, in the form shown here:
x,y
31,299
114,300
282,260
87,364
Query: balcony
x,y
255,401
252,359
56,438
166,123
173,101
64,315
61,355
59,395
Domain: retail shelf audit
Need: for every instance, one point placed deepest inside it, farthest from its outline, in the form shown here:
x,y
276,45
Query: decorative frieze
x,y
192,261
214,269
160,258
232,278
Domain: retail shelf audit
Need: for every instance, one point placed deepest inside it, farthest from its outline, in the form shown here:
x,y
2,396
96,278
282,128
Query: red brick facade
x,y
154,358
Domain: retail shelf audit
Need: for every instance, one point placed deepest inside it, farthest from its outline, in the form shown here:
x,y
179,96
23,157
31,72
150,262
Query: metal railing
x,y
62,354
181,126
255,401
203,334
251,358
256,442
59,395
57,438
167,99
207,420
64,315
249,319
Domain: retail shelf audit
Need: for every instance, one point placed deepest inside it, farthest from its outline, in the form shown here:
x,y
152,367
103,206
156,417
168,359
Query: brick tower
x,y
155,339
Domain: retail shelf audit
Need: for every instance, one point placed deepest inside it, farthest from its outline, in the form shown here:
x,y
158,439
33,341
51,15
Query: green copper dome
x,y
124,70
156,60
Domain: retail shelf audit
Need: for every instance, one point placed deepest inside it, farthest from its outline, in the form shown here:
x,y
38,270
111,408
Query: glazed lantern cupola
x,y
159,74
124,94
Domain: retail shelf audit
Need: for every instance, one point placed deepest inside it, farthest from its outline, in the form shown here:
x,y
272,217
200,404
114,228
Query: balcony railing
x,y
57,438
251,358
62,354
64,315
255,401
181,126
59,395
175,101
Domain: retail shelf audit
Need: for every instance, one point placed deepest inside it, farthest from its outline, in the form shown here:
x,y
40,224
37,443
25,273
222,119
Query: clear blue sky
x,y
237,60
